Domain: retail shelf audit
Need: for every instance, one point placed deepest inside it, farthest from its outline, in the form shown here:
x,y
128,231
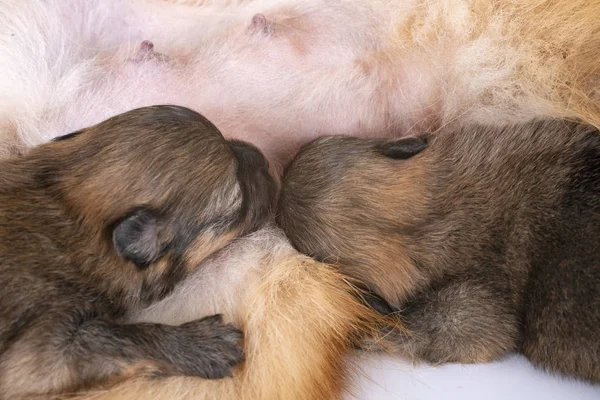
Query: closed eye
x,y
67,136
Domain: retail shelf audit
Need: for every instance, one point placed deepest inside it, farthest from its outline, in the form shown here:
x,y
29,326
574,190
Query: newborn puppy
x,y
481,240
107,220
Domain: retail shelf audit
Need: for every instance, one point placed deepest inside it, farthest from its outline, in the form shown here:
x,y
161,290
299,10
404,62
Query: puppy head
x,y
354,202
163,186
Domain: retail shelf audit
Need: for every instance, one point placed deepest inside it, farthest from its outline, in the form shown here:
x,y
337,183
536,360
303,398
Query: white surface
x,y
513,378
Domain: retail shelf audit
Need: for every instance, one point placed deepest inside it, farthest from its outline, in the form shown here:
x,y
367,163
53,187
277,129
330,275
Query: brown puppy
x,y
105,221
482,240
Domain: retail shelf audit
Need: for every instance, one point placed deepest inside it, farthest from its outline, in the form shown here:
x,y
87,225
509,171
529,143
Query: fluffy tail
x,y
300,323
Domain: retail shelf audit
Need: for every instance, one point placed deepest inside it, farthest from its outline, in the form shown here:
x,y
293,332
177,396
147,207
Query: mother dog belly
x,y
279,73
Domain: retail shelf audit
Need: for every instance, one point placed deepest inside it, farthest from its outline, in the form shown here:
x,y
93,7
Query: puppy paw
x,y
207,348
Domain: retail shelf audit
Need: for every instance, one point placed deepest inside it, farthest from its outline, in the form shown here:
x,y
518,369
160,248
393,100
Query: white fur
x,y
61,73
224,283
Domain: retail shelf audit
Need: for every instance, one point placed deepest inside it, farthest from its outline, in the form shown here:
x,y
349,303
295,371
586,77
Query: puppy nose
x,y
259,187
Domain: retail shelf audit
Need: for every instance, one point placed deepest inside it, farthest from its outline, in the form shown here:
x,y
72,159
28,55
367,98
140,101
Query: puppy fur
x,y
108,220
481,240
281,73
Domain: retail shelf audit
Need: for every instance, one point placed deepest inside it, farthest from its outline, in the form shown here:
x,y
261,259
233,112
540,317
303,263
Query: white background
x,y
514,378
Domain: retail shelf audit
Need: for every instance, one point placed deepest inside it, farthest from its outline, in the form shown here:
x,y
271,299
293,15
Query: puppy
x,y
481,240
281,73
107,220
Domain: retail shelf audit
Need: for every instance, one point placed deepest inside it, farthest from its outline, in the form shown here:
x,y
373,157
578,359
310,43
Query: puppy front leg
x,y
465,319
53,356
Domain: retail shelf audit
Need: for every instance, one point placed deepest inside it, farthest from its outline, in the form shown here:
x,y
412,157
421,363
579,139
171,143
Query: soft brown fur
x,y
108,220
482,240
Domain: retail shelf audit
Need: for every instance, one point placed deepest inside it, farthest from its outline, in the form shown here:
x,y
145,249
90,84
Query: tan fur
x,y
566,71
541,52
10,142
393,193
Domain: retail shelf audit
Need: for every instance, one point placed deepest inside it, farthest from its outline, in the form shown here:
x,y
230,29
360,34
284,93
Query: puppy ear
x,y
136,237
405,148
